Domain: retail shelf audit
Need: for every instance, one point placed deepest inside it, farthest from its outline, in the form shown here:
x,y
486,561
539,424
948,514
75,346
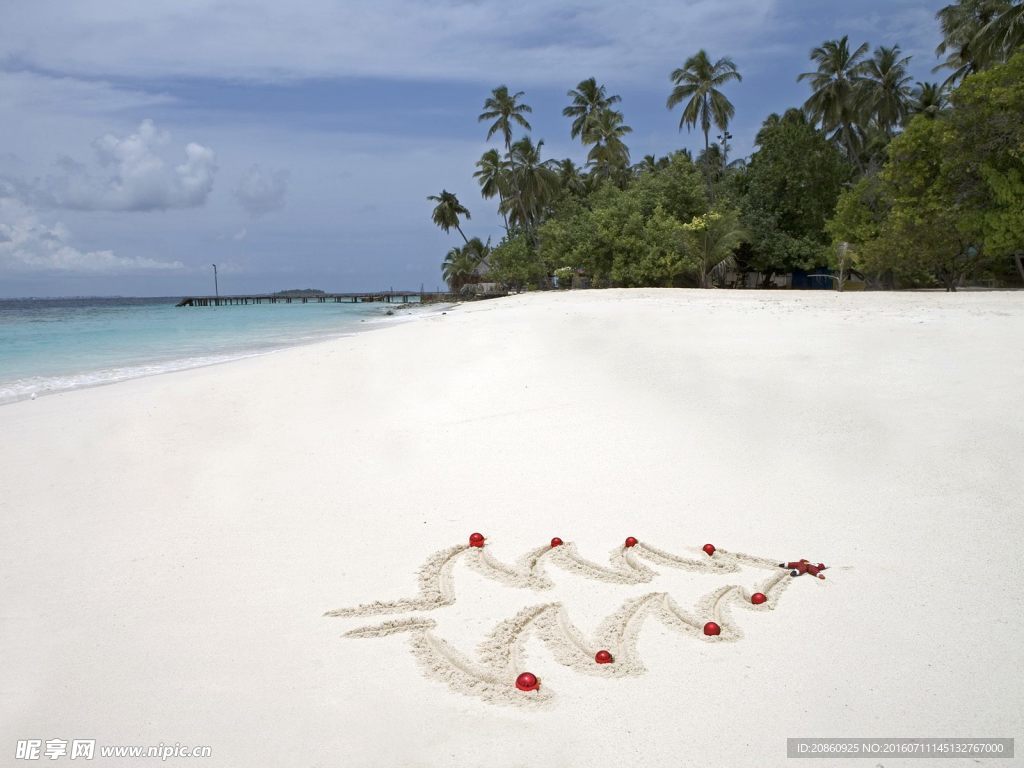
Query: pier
x,y
388,297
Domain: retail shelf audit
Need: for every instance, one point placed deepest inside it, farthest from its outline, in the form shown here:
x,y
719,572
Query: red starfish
x,y
800,567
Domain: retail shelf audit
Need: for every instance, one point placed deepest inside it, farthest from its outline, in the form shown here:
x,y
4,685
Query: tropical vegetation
x,y
876,176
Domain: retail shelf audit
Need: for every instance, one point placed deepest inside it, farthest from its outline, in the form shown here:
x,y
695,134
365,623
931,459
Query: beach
x,y
172,543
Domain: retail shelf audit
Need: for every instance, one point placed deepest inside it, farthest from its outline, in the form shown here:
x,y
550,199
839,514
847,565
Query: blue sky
x,y
295,145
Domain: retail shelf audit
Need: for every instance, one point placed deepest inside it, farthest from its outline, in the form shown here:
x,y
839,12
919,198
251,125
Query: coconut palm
x,y
533,184
836,92
964,48
588,100
698,81
504,109
458,268
571,180
712,239
885,85
609,153
929,99
447,212
1004,34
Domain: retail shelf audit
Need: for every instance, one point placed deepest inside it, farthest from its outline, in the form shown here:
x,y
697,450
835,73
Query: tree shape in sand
x,y
499,660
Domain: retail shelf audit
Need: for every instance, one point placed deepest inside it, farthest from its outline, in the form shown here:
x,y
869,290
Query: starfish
x,y
800,567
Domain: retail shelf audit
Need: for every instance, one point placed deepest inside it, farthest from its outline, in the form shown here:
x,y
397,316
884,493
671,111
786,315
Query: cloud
x,y
48,94
130,175
28,244
530,41
259,193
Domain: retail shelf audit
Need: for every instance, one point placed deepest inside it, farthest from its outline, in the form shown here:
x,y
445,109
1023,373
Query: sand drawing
x,y
497,673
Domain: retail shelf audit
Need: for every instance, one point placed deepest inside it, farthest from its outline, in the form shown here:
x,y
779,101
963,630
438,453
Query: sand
x,y
172,544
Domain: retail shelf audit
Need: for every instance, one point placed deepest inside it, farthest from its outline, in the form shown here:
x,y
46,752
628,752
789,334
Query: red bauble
x,y
527,682
631,542
557,542
710,549
711,629
758,597
603,657
476,539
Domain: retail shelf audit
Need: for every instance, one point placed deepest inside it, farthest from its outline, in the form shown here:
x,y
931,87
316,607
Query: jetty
x,y
388,297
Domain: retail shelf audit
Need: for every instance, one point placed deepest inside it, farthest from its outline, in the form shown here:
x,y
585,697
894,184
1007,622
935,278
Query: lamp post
x,y
216,289
724,138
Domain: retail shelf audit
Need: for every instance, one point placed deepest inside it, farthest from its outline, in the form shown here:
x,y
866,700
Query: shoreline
x,y
131,371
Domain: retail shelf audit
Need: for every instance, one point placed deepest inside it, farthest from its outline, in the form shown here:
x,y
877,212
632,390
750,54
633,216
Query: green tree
x,y
697,83
504,109
461,264
533,185
886,88
790,189
929,99
609,156
447,212
836,93
712,239
588,101
961,23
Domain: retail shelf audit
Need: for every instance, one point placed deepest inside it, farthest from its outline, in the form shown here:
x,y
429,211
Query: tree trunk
x,y
462,233
1018,257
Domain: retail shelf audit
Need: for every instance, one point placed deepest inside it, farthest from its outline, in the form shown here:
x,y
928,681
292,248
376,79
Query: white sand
x,y
170,544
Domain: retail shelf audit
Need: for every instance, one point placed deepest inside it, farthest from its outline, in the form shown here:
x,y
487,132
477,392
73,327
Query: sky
x,y
294,145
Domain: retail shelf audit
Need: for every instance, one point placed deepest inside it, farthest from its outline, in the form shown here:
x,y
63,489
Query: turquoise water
x,y
53,345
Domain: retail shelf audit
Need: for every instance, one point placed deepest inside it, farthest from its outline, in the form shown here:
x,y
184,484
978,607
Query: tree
x,y
588,101
533,184
790,189
1004,34
447,212
712,239
836,93
460,265
961,22
504,109
610,155
886,86
929,99
697,83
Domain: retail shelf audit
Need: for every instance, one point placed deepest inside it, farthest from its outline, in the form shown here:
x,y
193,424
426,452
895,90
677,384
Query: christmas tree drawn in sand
x,y
498,673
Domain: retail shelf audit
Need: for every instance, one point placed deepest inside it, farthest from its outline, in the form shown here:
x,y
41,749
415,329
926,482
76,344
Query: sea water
x,y
53,345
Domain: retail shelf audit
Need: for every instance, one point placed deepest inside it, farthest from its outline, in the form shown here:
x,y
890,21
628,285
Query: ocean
x,y
54,345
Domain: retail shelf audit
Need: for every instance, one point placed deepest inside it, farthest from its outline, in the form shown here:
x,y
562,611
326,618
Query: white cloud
x,y
131,176
28,244
529,41
259,193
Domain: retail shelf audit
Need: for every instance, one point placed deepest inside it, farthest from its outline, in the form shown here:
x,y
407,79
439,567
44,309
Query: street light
x,y
724,138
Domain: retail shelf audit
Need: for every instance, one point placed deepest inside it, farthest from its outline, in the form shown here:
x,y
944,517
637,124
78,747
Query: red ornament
x,y
711,629
603,657
710,549
631,542
476,539
557,542
758,597
527,682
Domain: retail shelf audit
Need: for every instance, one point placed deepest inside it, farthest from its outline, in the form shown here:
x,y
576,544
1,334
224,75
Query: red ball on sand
x,y
476,539
709,548
631,542
603,657
758,598
711,629
527,682
557,542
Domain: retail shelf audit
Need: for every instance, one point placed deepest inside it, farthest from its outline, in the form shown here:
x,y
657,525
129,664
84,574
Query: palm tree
x,y
588,100
712,239
886,87
458,267
835,99
963,45
504,109
533,184
609,153
447,211
929,99
699,80
571,180
1004,34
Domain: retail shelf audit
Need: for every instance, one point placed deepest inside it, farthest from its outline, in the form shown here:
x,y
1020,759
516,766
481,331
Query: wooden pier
x,y
388,297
